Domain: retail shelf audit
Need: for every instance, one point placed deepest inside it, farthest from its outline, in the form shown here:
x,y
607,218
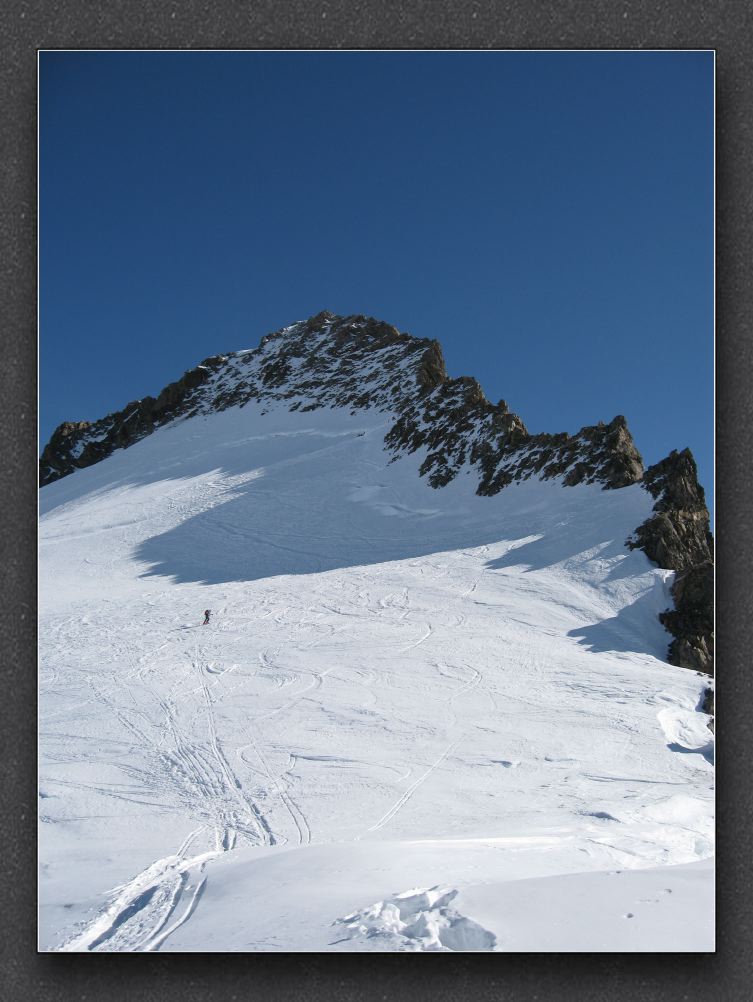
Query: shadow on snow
x,y
309,499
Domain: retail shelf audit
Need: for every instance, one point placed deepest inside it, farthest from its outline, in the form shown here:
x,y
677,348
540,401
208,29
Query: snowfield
x,y
419,720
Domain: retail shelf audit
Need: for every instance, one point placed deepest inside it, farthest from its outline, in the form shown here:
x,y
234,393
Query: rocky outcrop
x,y
706,705
677,537
431,370
691,622
359,362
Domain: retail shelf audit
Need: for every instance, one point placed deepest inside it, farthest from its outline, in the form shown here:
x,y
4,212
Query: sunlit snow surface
x,y
418,719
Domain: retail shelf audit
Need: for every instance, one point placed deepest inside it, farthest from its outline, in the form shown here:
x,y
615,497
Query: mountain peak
x,y
361,363
326,361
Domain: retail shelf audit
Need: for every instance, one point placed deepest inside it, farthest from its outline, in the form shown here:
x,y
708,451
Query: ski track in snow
x,y
426,669
402,801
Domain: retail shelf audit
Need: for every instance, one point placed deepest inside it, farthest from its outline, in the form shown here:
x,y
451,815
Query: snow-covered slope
x,y
419,719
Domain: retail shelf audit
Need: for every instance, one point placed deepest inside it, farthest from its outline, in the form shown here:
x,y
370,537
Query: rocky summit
x,y
357,362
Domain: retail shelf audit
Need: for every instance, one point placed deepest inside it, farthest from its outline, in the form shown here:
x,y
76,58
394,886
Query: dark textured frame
x,y
26,27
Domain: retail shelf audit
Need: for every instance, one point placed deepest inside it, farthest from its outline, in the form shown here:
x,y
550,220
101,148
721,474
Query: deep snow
x,y
418,719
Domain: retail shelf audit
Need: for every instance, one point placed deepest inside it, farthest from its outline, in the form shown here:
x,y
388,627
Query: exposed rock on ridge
x,y
457,424
359,362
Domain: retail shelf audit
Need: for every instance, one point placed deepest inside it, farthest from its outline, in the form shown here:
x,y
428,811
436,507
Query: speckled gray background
x,y
27,26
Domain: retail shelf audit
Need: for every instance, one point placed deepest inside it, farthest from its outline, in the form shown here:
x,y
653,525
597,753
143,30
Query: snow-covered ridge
x,y
361,363
325,361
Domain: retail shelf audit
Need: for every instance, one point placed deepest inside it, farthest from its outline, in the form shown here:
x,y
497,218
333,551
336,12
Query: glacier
x,y
418,720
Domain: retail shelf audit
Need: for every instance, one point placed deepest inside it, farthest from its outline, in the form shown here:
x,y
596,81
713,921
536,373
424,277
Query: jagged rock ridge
x,y
359,362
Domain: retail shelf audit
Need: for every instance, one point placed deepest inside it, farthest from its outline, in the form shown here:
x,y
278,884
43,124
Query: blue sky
x,y
547,216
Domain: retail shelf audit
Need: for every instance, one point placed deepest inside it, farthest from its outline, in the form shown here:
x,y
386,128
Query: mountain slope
x,y
361,363
401,686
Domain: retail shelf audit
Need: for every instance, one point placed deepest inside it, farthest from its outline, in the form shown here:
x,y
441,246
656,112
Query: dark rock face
x,y
431,371
677,537
691,622
359,362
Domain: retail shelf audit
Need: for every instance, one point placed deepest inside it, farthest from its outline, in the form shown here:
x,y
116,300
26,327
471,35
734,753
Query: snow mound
x,y
686,730
421,920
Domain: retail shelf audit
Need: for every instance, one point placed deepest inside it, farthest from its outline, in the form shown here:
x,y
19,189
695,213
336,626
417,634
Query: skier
x,y
206,616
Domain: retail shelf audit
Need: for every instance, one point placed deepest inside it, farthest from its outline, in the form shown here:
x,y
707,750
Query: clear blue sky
x,y
547,216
